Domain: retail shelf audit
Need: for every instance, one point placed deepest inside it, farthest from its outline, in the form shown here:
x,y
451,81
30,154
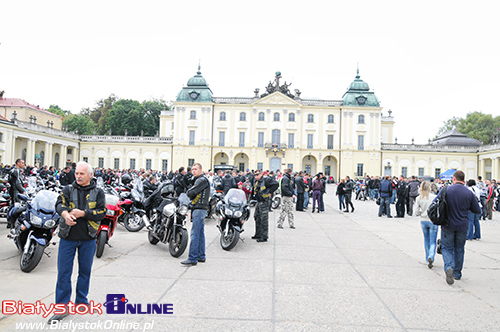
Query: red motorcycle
x,y
108,224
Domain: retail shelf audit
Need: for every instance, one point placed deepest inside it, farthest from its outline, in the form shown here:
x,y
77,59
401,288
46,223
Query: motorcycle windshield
x,y
112,200
137,189
100,182
45,201
183,199
235,196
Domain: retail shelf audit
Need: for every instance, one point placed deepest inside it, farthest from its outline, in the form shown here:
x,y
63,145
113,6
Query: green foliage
x,y
59,111
80,122
100,113
475,125
153,109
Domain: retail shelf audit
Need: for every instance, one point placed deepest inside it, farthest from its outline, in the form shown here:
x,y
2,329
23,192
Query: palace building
x,y
274,129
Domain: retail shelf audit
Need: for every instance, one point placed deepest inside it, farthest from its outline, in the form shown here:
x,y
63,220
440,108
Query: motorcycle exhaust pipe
x,y
146,222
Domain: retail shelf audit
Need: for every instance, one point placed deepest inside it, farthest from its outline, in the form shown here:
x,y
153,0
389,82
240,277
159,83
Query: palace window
x,y
291,117
222,116
262,116
261,140
437,172
148,164
260,166
242,139
309,141
164,165
420,171
101,162
310,118
276,136
291,140
243,116
192,115
361,142
222,138
361,119
276,116
329,144
132,164
117,163
330,118
404,172
1,137
190,162
191,137
360,170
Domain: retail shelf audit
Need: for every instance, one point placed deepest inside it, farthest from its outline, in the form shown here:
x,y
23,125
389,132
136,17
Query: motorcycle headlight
x,y
110,212
228,213
238,214
35,220
183,209
50,223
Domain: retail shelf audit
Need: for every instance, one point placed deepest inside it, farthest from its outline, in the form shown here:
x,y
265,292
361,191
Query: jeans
x,y
370,193
430,235
321,203
197,246
483,204
341,202
393,198
348,201
385,201
316,196
375,193
306,199
65,259
474,228
453,248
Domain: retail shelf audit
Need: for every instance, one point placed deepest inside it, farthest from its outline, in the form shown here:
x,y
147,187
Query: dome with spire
x,y
359,94
197,90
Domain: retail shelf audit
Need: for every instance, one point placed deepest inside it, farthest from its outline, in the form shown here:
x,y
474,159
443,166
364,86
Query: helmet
x,y
167,189
126,178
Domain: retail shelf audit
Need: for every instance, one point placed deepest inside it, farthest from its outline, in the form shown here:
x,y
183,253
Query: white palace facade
x,y
273,129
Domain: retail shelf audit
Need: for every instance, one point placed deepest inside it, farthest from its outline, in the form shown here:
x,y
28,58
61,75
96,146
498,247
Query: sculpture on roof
x,y
275,86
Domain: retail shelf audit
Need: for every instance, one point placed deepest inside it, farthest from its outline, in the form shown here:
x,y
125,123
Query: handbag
x,y
378,201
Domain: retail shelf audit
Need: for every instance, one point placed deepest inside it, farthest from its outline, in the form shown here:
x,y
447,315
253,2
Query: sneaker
x,y
188,263
449,277
261,240
352,209
203,260
292,227
280,226
430,260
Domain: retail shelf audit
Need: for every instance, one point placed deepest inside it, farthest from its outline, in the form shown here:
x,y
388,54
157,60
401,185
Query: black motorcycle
x,y
134,217
233,211
35,224
168,220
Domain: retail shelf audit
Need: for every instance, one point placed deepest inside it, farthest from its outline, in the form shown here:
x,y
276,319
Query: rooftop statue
x,y
275,86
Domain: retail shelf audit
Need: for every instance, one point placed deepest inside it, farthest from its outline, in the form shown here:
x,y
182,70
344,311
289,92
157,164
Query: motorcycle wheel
x,y
178,243
101,242
229,242
151,238
31,259
276,202
133,222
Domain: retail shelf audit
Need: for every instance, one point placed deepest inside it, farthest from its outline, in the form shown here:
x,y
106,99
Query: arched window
x,y
276,116
262,117
291,117
192,115
276,136
42,158
243,116
310,118
23,155
361,119
330,118
222,116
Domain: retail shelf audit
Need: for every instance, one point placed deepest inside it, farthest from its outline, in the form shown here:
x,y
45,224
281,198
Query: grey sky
x,y
427,61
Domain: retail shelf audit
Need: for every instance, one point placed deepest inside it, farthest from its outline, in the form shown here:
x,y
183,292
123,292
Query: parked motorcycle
x,y
233,211
168,224
215,197
276,200
35,225
134,217
5,203
108,224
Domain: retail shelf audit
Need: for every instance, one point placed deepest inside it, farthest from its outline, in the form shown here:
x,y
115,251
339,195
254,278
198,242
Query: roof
x,y
2,118
197,90
454,137
359,94
16,102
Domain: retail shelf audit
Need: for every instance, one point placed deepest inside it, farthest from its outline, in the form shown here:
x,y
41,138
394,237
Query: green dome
x,y
197,90
359,94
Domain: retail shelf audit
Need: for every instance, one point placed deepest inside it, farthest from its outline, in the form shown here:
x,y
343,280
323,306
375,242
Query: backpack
x,y
437,210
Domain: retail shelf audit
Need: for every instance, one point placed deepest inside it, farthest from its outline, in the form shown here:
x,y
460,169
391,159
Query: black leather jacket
x,y
199,193
287,185
264,188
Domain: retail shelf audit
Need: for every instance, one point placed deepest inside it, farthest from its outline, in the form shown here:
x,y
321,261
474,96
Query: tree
x,y
475,125
59,111
126,115
100,113
153,110
80,122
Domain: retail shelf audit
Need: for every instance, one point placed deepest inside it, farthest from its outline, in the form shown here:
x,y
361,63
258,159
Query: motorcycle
x,y
35,225
5,202
276,200
134,217
168,224
108,224
233,211
215,197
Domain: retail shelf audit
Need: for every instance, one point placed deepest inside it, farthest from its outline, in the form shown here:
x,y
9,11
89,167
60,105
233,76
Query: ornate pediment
x,y
277,98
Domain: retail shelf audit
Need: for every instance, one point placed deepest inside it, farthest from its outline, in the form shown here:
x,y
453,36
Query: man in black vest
x,y
82,206
301,188
262,190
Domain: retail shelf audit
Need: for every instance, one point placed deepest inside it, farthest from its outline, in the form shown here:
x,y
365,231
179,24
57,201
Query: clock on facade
x,y
361,100
194,95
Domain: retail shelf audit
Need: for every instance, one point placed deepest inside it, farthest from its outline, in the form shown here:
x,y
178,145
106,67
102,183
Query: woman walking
x,y
340,194
317,185
428,228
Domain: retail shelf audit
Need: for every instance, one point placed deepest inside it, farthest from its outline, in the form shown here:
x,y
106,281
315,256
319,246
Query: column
x,y
48,154
495,168
480,170
76,154
30,153
63,156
